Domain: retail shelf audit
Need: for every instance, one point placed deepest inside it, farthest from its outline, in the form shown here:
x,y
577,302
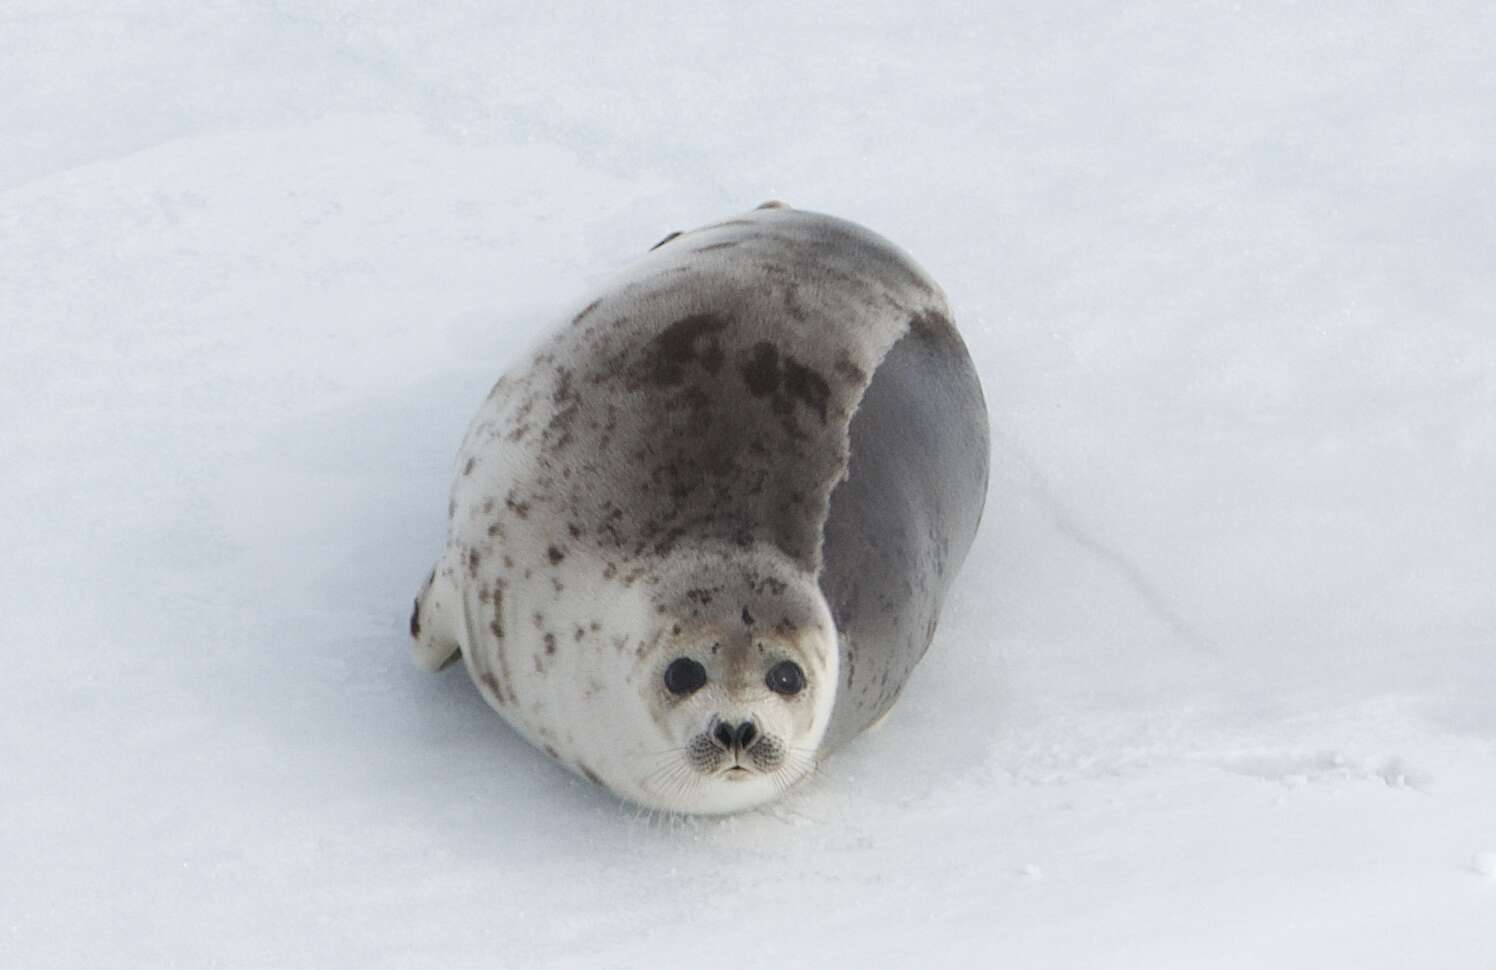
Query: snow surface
x,y
1217,688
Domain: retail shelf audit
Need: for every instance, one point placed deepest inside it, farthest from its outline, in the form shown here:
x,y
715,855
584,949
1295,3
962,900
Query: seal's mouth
x,y
737,772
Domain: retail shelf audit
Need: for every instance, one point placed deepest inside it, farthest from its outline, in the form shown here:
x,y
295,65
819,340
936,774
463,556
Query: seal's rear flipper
x,y
434,622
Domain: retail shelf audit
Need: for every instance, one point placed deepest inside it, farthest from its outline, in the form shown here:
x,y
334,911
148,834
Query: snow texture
x,y
1217,688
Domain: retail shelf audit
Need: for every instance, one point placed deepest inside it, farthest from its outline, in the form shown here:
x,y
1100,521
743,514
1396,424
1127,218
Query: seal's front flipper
x,y
434,623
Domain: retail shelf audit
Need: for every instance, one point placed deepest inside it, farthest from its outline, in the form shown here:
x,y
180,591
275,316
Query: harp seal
x,y
700,537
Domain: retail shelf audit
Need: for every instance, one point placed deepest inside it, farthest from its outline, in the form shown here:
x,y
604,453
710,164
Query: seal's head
x,y
738,679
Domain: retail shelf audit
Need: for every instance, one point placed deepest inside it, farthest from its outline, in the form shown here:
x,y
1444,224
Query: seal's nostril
x,y
746,735
723,734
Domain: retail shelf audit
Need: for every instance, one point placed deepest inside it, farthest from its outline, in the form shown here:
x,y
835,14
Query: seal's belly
x,y
901,522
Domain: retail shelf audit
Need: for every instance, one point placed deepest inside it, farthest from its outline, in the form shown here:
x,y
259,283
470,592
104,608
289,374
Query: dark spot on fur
x,y
792,304
589,774
467,469
771,585
806,385
932,325
849,370
551,751
555,555
415,620
761,372
692,399
585,310
747,617
684,341
521,509
720,245
492,683
575,530
675,630
765,373
550,644
564,391
711,357
474,559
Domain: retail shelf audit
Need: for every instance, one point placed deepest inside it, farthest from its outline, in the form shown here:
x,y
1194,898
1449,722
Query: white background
x,y
1216,689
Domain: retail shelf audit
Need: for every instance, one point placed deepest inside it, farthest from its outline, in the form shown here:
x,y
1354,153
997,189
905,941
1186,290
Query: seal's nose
x,y
724,735
747,734
729,736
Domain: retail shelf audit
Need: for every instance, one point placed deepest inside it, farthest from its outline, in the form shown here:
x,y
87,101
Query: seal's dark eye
x,y
684,676
786,678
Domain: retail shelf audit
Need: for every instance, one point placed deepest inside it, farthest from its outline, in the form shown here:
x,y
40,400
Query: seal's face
x,y
739,683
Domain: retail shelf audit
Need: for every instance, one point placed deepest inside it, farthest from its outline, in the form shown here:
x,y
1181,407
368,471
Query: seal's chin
x,y
735,789
727,788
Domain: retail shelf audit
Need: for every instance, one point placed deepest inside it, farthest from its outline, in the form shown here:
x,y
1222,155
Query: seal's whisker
x,y
640,755
663,775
